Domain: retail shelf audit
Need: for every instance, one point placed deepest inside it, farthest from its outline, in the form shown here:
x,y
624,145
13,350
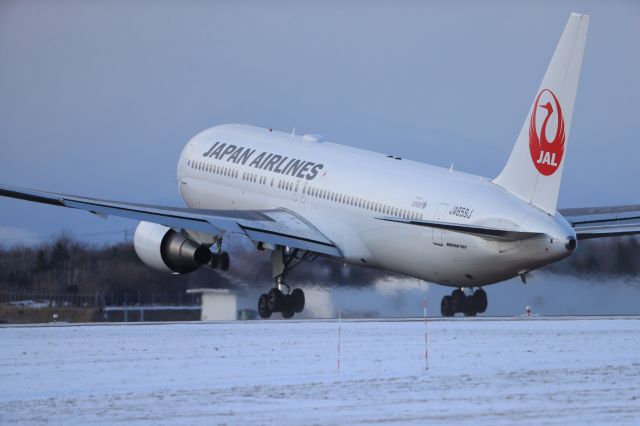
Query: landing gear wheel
x,y
276,299
470,310
446,307
263,306
287,310
459,300
297,299
224,260
215,260
479,300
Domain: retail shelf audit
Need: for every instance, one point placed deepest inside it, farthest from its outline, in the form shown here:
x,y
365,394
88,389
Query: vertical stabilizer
x,y
534,169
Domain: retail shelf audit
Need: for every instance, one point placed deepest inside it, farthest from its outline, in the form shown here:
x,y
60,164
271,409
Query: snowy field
x,y
481,371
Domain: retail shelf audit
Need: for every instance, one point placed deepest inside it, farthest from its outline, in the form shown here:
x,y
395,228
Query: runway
x,y
480,371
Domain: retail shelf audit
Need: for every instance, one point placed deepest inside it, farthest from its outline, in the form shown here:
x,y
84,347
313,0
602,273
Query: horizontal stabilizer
x,y
601,222
479,231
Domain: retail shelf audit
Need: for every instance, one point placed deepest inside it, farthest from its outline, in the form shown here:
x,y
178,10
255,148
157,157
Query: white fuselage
x,y
342,191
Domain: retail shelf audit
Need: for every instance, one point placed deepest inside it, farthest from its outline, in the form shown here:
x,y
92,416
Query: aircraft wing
x,y
275,227
600,222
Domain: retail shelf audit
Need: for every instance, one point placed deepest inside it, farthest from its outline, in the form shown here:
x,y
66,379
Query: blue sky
x,y
98,98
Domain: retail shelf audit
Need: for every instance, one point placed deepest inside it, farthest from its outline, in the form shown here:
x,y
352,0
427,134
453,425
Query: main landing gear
x,y
220,259
469,304
281,298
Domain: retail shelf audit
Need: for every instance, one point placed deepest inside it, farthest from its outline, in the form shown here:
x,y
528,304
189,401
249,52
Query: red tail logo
x,y
546,155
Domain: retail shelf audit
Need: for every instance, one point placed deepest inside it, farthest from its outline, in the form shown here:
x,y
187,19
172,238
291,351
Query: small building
x,y
216,304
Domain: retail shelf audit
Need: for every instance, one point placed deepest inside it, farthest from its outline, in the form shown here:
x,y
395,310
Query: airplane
x,y
301,197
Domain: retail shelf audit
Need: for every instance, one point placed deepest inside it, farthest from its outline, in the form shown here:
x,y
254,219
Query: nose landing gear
x,y
469,304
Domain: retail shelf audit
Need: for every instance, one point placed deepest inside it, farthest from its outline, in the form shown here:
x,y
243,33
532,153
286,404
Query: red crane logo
x,y
546,155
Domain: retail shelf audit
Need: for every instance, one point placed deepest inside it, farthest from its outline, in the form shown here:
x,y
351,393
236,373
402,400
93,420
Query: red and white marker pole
x,y
426,341
339,336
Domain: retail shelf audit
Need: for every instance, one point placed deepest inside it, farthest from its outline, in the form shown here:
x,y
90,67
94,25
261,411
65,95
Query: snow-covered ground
x,y
481,371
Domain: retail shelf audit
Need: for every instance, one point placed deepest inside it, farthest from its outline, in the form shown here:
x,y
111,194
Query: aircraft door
x,y
303,196
182,167
296,196
438,233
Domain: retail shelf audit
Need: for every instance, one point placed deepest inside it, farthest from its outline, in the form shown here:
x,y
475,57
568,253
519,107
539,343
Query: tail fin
x,y
534,169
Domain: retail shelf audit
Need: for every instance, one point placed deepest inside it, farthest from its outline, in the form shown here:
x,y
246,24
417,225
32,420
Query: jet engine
x,y
167,250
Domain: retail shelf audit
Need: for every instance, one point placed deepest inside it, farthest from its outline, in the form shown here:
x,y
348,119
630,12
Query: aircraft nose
x,y
571,244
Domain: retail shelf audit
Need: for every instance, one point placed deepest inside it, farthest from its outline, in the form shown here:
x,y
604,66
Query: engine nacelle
x,y
164,249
